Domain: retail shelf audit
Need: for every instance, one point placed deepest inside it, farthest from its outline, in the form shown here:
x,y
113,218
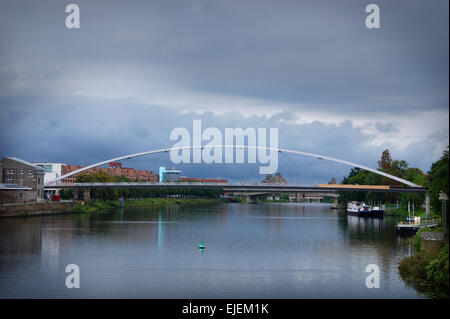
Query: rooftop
x,y
13,187
23,162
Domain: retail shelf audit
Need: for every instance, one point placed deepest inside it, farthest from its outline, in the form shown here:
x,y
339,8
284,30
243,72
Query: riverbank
x,y
274,201
52,208
96,206
403,212
427,270
38,209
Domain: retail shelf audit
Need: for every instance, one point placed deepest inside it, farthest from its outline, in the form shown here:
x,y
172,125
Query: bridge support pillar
x,y
427,205
87,194
76,193
252,199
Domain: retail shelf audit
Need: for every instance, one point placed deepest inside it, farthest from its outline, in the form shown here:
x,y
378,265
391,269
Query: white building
x,y
51,171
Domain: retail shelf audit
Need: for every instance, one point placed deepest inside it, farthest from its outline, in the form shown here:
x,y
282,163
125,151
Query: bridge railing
x,y
435,221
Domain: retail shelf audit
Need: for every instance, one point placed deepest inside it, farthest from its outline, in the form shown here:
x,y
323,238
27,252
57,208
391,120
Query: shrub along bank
x,y
427,270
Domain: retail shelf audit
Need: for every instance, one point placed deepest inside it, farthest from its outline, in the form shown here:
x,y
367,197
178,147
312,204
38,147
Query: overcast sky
x,y
135,70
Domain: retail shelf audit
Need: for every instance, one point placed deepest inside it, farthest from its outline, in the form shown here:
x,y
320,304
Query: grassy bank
x,y
403,212
95,206
274,201
427,271
392,210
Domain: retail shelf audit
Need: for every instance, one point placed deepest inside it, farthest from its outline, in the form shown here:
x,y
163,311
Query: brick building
x,y
203,180
20,181
138,175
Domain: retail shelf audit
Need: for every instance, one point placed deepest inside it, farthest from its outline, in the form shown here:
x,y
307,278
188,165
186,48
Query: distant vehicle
x,y
56,198
364,210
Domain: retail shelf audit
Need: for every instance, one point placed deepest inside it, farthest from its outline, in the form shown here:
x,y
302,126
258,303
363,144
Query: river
x,y
282,250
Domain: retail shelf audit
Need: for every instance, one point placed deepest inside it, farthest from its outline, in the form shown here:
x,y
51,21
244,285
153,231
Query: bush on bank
x,y
430,268
437,269
95,206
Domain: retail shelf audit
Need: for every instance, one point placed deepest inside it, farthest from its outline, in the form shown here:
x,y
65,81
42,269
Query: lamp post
x,y
444,198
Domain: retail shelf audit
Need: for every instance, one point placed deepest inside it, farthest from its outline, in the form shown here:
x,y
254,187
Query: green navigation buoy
x,y
201,246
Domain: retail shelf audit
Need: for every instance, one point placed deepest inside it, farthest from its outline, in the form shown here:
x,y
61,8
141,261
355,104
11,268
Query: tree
x,y
385,161
386,164
398,168
418,177
438,180
332,181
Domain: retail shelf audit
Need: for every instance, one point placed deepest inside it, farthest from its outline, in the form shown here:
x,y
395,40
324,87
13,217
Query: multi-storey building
x,y
203,180
138,175
20,181
166,175
51,171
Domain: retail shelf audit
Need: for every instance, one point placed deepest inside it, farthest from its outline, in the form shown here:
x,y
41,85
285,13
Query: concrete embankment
x,y
37,209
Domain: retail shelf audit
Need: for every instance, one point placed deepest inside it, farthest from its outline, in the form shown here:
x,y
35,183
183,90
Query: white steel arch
x,y
280,150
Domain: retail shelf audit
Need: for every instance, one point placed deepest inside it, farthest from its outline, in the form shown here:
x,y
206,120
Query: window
x,y
30,172
20,195
9,180
11,171
22,171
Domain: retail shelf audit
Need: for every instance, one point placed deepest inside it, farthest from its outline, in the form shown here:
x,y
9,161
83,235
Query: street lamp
x,y
444,198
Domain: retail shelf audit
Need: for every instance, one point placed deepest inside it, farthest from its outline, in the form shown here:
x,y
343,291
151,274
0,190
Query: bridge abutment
x,y
87,195
252,199
83,194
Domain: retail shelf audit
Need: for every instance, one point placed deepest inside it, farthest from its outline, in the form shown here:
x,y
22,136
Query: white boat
x,y
362,209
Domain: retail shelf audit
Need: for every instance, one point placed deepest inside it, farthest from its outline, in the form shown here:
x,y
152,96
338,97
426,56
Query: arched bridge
x,y
279,150
249,189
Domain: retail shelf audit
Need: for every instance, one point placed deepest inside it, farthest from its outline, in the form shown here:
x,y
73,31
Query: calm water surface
x,y
253,251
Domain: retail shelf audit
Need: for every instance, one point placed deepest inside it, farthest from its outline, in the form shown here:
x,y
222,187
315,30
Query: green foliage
x,y
414,267
133,193
66,193
438,180
429,269
97,206
238,200
437,270
402,211
84,209
398,168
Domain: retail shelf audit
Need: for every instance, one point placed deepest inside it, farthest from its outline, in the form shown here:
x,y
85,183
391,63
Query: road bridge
x,y
250,190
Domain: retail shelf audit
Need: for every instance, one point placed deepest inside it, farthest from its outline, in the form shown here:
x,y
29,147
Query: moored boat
x,y
364,210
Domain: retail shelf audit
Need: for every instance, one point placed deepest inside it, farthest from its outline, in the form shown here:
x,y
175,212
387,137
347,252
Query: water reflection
x,y
160,230
254,251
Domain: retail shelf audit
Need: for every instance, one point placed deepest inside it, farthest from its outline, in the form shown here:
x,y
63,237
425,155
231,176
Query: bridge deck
x,y
250,188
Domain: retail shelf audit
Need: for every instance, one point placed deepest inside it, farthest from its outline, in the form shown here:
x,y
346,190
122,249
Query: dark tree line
x,y
399,168
104,194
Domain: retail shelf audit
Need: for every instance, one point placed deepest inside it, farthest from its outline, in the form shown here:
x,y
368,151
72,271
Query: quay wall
x,y
37,209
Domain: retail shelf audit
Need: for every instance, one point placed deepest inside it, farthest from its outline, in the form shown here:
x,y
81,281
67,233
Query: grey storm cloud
x,y
105,129
137,69
386,127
